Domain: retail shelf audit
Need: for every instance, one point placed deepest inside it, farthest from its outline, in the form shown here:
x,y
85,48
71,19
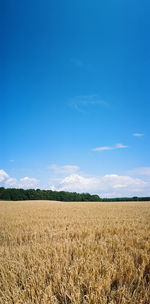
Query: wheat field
x,y
74,253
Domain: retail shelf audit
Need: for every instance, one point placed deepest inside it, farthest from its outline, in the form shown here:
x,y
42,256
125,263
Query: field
x,y
74,253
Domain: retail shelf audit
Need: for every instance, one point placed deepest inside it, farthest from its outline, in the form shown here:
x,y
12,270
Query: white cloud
x,y
25,182
11,182
11,160
66,169
28,182
117,146
138,134
75,182
3,175
106,186
52,188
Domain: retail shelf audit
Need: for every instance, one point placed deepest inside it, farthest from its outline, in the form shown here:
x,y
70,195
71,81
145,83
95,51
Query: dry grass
x,y
73,253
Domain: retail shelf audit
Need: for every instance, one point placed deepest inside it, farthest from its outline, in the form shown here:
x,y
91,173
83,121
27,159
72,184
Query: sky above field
x,y
75,96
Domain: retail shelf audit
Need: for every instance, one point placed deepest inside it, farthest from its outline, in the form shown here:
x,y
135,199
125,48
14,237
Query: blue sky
x,y
75,96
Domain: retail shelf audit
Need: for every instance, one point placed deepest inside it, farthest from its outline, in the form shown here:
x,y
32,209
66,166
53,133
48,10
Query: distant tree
x,y
5,195
2,189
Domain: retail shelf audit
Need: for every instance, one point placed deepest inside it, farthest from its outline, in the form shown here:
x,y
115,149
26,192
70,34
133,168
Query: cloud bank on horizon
x,y
109,185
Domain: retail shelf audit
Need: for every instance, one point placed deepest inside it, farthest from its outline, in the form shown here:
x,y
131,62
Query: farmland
x,y
74,253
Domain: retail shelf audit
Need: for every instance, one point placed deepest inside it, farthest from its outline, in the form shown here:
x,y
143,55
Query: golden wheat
x,y
73,253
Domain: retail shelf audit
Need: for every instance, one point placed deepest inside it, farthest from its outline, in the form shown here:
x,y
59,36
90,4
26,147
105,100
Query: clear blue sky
x,y
75,96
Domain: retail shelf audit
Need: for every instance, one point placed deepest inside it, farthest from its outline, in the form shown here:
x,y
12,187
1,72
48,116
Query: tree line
x,y
14,194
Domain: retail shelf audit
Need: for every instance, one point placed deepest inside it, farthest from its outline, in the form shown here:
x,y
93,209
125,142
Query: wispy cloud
x,y
66,169
145,171
138,134
11,160
117,146
77,62
102,148
80,103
